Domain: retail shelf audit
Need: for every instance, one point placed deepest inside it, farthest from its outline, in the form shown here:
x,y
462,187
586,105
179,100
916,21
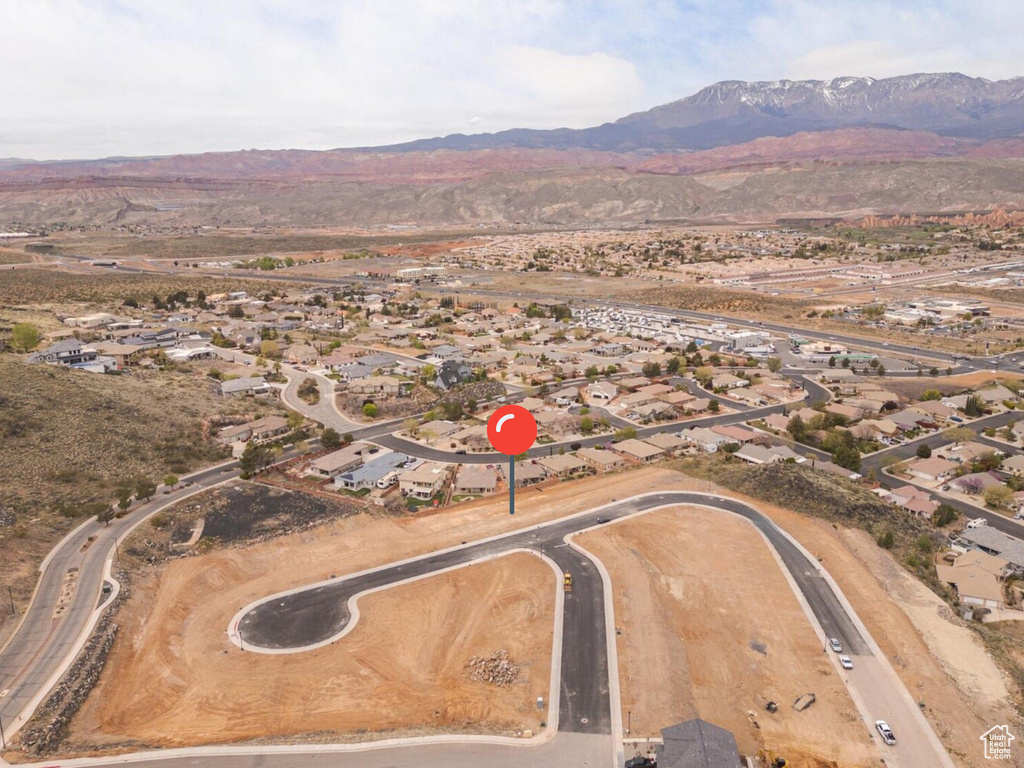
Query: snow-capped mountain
x,y
733,111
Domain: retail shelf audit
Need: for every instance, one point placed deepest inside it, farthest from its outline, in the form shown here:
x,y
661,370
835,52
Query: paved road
x,y
35,652
878,460
565,750
316,614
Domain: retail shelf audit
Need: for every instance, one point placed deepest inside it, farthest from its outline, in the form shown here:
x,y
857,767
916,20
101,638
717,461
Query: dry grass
x,y
67,438
36,286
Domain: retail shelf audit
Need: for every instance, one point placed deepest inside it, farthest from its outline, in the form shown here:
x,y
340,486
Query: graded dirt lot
x,y
915,387
402,663
701,637
402,668
940,660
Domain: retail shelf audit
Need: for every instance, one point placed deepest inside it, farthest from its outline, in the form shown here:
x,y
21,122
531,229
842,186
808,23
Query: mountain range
x,y
733,112
732,151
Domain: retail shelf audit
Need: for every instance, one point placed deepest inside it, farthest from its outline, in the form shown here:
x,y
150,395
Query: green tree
x,y
714,406
592,372
797,428
24,337
672,366
251,460
832,362
974,406
170,480
931,394
370,410
846,362
923,451
106,515
944,515
652,369
886,540
144,488
774,364
959,434
330,439
626,433
236,312
704,375
586,425
997,496
295,419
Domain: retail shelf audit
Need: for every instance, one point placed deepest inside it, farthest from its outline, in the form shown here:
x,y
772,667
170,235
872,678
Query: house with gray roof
x,y
697,744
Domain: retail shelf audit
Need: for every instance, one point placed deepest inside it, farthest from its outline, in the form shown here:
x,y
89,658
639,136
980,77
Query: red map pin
x,y
511,430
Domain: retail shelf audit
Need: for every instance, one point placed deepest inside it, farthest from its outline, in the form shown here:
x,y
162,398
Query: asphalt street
x,y
311,616
35,652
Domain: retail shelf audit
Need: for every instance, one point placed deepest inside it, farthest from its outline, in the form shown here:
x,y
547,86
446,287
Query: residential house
x,y
334,463
387,386
251,386
639,450
601,460
704,438
728,381
476,479
527,473
562,465
67,352
976,482
977,578
601,390
451,373
666,441
777,421
933,469
424,481
987,539
735,434
1013,465
371,474
914,500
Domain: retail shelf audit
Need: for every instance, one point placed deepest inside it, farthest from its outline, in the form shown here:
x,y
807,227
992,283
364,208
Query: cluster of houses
x,y
980,565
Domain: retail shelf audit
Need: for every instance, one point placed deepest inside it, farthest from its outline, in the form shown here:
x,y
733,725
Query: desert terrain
x,y
402,669
692,623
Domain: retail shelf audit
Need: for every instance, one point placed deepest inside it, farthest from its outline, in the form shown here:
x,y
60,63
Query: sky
x,y
97,78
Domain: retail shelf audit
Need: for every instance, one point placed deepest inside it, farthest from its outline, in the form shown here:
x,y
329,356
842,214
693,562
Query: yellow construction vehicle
x,y
567,582
769,759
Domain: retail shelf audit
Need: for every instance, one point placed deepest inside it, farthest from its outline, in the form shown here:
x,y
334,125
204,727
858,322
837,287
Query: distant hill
x,y
733,112
734,151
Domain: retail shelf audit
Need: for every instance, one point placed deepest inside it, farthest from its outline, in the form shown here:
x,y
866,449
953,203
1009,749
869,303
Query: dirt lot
x,y
915,387
403,668
941,662
702,638
210,692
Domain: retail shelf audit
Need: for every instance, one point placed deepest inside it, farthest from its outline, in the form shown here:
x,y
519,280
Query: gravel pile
x,y
496,669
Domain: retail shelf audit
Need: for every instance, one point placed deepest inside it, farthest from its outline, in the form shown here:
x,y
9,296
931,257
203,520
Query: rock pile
x,y
496,669
49,726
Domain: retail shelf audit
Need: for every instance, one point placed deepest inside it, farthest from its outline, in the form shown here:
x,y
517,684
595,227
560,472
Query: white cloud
x,y
85,78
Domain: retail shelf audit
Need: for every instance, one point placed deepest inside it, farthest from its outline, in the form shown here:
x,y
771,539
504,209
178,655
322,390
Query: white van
x,y
977,522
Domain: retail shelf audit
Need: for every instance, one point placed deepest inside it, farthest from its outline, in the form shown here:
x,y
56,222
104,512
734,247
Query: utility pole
x,y
3,739
10,594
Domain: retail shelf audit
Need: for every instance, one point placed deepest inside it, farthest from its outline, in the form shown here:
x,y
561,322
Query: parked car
x,y
835,644
846,661
887,735
977,522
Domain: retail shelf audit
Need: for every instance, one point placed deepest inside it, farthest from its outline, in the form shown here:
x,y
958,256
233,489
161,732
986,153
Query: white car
x,y
846,661
836,645
887,735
